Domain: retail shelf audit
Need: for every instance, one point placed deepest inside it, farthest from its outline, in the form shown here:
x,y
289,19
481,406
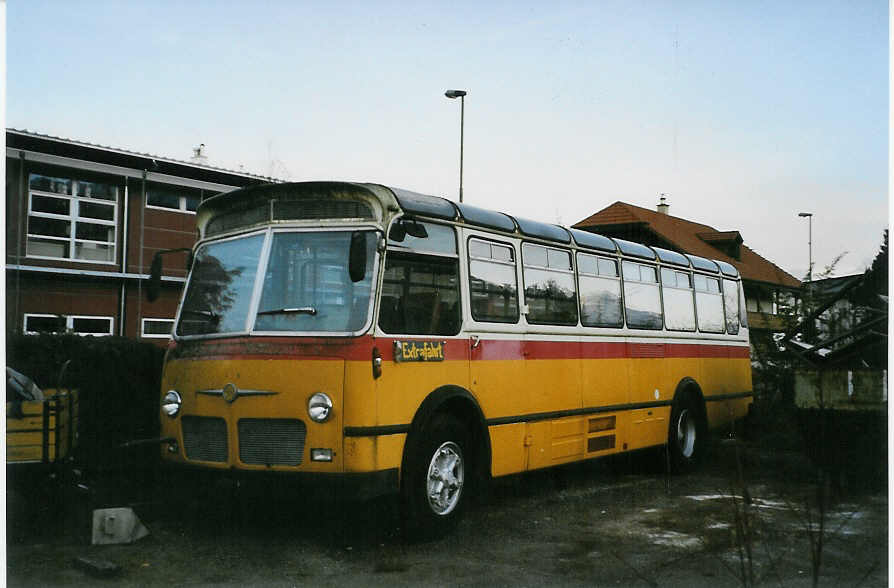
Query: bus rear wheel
x,y
434,487
687,434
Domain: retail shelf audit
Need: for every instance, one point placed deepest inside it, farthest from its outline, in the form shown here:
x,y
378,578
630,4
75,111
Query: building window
x,y
75,324
173,198
71,219
157,328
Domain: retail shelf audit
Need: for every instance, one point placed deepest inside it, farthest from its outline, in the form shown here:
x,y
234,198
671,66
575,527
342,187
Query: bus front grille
x,y
205,438
271,441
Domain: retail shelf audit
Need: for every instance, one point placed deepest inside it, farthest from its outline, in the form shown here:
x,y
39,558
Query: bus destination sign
x,y
419,351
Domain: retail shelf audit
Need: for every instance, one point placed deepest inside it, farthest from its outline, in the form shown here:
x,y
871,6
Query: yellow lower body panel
x,y
370,454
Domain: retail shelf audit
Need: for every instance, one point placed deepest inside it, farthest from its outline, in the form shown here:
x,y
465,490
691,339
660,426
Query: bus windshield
x,y
306,286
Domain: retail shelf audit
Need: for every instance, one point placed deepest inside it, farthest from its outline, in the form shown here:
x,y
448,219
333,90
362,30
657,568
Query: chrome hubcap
x,y
445,478
686,433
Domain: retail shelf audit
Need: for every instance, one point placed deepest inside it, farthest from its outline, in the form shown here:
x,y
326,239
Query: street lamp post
x,y
461,94
809,216
808,331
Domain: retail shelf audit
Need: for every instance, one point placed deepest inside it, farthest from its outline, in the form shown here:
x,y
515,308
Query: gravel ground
x,y
619,522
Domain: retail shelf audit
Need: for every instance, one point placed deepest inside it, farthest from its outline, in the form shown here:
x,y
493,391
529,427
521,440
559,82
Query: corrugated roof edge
x,y
121,151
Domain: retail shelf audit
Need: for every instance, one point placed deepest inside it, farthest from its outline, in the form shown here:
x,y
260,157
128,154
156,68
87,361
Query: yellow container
x,y
42,432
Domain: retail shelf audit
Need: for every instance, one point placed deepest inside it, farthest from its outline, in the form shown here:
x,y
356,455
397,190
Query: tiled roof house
x,y
764,282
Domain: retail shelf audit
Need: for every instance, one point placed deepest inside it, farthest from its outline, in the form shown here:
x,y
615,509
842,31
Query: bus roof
x,y
340,200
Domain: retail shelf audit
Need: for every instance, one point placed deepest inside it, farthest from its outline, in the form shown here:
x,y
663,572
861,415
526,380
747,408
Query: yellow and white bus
x,y
369,334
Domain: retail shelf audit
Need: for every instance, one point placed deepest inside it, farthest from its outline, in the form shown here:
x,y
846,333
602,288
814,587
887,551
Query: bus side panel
x,y
552,384
360,399
717,373
402,388
649,383
604,382
570,439
682,362
735,374
556,442
513,378
372,453
508,449
404,385
498,386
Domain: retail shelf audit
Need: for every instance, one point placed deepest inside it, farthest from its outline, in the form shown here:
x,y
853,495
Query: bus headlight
x,y
319,407
170,405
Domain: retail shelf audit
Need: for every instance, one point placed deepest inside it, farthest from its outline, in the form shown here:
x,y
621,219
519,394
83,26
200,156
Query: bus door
x,y
420,312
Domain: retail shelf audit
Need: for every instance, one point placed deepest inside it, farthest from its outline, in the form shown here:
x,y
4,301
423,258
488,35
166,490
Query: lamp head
x,y
455,93
804,214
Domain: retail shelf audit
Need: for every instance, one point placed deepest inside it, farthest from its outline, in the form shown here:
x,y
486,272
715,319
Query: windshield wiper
x,y
300,310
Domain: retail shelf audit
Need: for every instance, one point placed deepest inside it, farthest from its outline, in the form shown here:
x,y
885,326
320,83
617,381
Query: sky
x,y
744,113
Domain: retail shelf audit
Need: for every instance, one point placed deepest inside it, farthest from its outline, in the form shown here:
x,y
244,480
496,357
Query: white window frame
x,y
72,218
182,209
145,335
69,323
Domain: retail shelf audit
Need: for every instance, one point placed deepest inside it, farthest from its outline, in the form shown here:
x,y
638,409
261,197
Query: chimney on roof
x,y
663,206
198,155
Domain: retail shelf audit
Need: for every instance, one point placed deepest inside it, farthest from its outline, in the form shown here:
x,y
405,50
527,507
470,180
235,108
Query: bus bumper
x,y
296,485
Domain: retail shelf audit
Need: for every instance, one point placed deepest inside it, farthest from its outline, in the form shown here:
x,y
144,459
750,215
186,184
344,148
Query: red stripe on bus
x,y
361,348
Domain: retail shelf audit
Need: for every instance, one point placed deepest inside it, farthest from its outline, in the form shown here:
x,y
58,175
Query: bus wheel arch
x,y
447,430
687,440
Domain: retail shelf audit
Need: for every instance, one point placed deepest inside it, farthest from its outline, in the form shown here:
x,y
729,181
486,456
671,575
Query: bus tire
x,y
435,483
688,433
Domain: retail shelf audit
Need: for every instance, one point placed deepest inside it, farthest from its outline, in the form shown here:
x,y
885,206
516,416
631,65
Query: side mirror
x,y
407,226
397,232
154,286
357,256
415,229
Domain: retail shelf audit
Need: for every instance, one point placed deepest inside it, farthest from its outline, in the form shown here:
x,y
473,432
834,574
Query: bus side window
x,y
679,305
549,285
708,304
493,285
731,305
600,291
420,287
641,296
420,295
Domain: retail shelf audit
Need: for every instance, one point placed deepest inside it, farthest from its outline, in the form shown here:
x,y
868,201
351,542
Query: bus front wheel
x,y
436,479
687,434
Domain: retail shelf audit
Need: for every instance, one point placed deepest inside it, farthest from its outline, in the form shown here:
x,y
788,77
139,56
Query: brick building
x,y
83,222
